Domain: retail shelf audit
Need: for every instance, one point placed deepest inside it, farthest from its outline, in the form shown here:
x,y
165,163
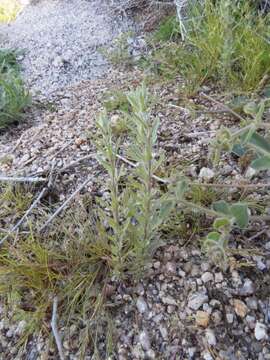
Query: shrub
x,y
13,96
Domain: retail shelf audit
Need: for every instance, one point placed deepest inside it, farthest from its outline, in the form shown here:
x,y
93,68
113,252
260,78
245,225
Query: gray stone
x,y
144,340
169,300
196,300
206,173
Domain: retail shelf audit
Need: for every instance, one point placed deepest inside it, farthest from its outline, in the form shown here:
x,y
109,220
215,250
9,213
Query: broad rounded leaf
x,y
222,223
263,163
240,214
221,207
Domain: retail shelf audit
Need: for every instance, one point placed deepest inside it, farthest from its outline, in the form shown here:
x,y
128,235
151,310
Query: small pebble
x,y
210,337
202,318
240,308
141,305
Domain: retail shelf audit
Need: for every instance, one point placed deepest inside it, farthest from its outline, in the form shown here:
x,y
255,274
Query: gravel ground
x,y
184,307
61,41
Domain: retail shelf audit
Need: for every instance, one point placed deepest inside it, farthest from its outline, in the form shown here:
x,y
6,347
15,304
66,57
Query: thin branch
x,y
51,218
164,181
225,107
27,179
17,144
55,329
257,234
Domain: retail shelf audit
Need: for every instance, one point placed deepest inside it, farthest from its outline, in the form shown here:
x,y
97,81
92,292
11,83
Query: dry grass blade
x,y
28,212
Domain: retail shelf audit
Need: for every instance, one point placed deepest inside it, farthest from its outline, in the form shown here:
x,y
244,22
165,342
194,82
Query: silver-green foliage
x,y
136,212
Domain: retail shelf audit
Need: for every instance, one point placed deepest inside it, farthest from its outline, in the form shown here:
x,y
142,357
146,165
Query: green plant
x,y
119,54
13,100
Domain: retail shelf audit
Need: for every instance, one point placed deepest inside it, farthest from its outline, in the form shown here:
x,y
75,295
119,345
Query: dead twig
x,y
55,329
257,235
27,179
164,181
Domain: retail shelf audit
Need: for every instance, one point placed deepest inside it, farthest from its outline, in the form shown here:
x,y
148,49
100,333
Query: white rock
x,y
151,355
207,356
260,331
141,305
250,172
197,300
207,276
58,61
248,288
10,333
163,331
210,337
206,173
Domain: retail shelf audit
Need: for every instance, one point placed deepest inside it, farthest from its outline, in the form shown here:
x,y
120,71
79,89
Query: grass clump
x,y
225,43
70,261
9,9
14,98
119,53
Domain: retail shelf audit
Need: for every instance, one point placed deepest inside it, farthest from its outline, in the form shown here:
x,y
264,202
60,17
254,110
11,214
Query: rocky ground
x,y
61,40
185,306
